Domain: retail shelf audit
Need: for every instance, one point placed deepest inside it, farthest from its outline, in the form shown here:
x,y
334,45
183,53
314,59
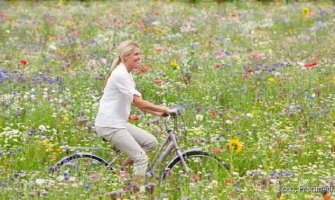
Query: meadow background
x,y
261,75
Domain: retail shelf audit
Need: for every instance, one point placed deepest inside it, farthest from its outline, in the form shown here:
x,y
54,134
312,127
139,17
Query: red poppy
x,y
217,66
229,182
133,117
23,62
196,178
249,71
159,81
310,65
216,150
144,69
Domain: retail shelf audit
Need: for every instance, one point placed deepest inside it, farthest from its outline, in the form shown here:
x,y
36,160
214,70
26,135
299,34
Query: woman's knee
x,y
152,144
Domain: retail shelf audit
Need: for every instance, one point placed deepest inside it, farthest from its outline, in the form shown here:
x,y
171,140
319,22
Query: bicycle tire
x,y
80,171
205,172
67,159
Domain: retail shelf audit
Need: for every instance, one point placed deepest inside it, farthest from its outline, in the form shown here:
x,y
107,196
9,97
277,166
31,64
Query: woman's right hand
x,y
170,111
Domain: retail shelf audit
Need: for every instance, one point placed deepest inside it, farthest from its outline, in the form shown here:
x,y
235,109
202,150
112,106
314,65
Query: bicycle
x,y
184,170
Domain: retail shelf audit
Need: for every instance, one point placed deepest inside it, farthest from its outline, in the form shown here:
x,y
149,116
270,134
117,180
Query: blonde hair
x,y
125,48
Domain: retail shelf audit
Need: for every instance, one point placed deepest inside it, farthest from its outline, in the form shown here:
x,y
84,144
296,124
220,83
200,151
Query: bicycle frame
x,y
169,144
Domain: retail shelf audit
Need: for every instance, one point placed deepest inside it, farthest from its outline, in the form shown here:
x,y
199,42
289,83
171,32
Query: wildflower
x,y
216,150
271,79
199,117
140,25
123,174
258,56
159,81
150,188
40,181
75,33
217,66
213,112
23,62
87,187
306,12
144,69
196,178
158,49
94,176
310,65
174,64
133,117
249,71
235,145
319,139
229,182
229,122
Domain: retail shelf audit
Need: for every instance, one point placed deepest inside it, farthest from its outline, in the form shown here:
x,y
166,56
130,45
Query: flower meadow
x,y
255,81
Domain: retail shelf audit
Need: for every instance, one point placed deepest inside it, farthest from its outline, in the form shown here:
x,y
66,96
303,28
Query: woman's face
x,y
133,60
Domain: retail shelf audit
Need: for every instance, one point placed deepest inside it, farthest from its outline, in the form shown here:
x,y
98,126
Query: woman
x,y
119,94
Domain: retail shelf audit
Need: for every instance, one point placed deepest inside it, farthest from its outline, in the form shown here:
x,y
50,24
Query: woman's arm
x,y
153,112
150,107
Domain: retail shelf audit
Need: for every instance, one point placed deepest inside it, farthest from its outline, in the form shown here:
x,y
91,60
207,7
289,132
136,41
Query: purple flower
x,y
87,187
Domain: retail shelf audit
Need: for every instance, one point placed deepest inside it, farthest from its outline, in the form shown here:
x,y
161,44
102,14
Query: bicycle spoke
x,y
204,177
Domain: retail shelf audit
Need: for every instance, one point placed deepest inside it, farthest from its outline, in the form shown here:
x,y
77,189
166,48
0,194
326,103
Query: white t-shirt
x,y
114,108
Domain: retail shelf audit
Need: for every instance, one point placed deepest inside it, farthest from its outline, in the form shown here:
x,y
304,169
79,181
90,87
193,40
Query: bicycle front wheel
x,y
82,172
204,179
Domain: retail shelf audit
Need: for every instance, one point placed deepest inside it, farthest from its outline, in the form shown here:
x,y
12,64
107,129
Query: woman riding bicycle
x,y
114,109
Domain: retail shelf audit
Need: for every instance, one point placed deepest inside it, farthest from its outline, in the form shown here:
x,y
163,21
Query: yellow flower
x,y
306,12
290,31
271,79
65,117
174,64
235,145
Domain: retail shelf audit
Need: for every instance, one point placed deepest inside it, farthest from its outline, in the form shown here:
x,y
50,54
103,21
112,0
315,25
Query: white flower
x,y
40,181
229,122
41,128
199,117
248,115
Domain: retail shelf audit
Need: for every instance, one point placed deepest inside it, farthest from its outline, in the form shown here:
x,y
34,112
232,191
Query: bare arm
x,y
153,112
147,106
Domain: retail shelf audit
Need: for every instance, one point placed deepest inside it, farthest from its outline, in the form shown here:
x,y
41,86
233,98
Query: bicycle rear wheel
x,y
81,172
205,177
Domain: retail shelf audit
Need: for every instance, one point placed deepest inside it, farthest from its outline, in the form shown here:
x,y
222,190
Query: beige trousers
x,y
133,141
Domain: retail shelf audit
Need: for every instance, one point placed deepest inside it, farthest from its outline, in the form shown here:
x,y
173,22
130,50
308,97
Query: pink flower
x,y
216,150
133,117
159,81
196,178
258,56
75,33
123,174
